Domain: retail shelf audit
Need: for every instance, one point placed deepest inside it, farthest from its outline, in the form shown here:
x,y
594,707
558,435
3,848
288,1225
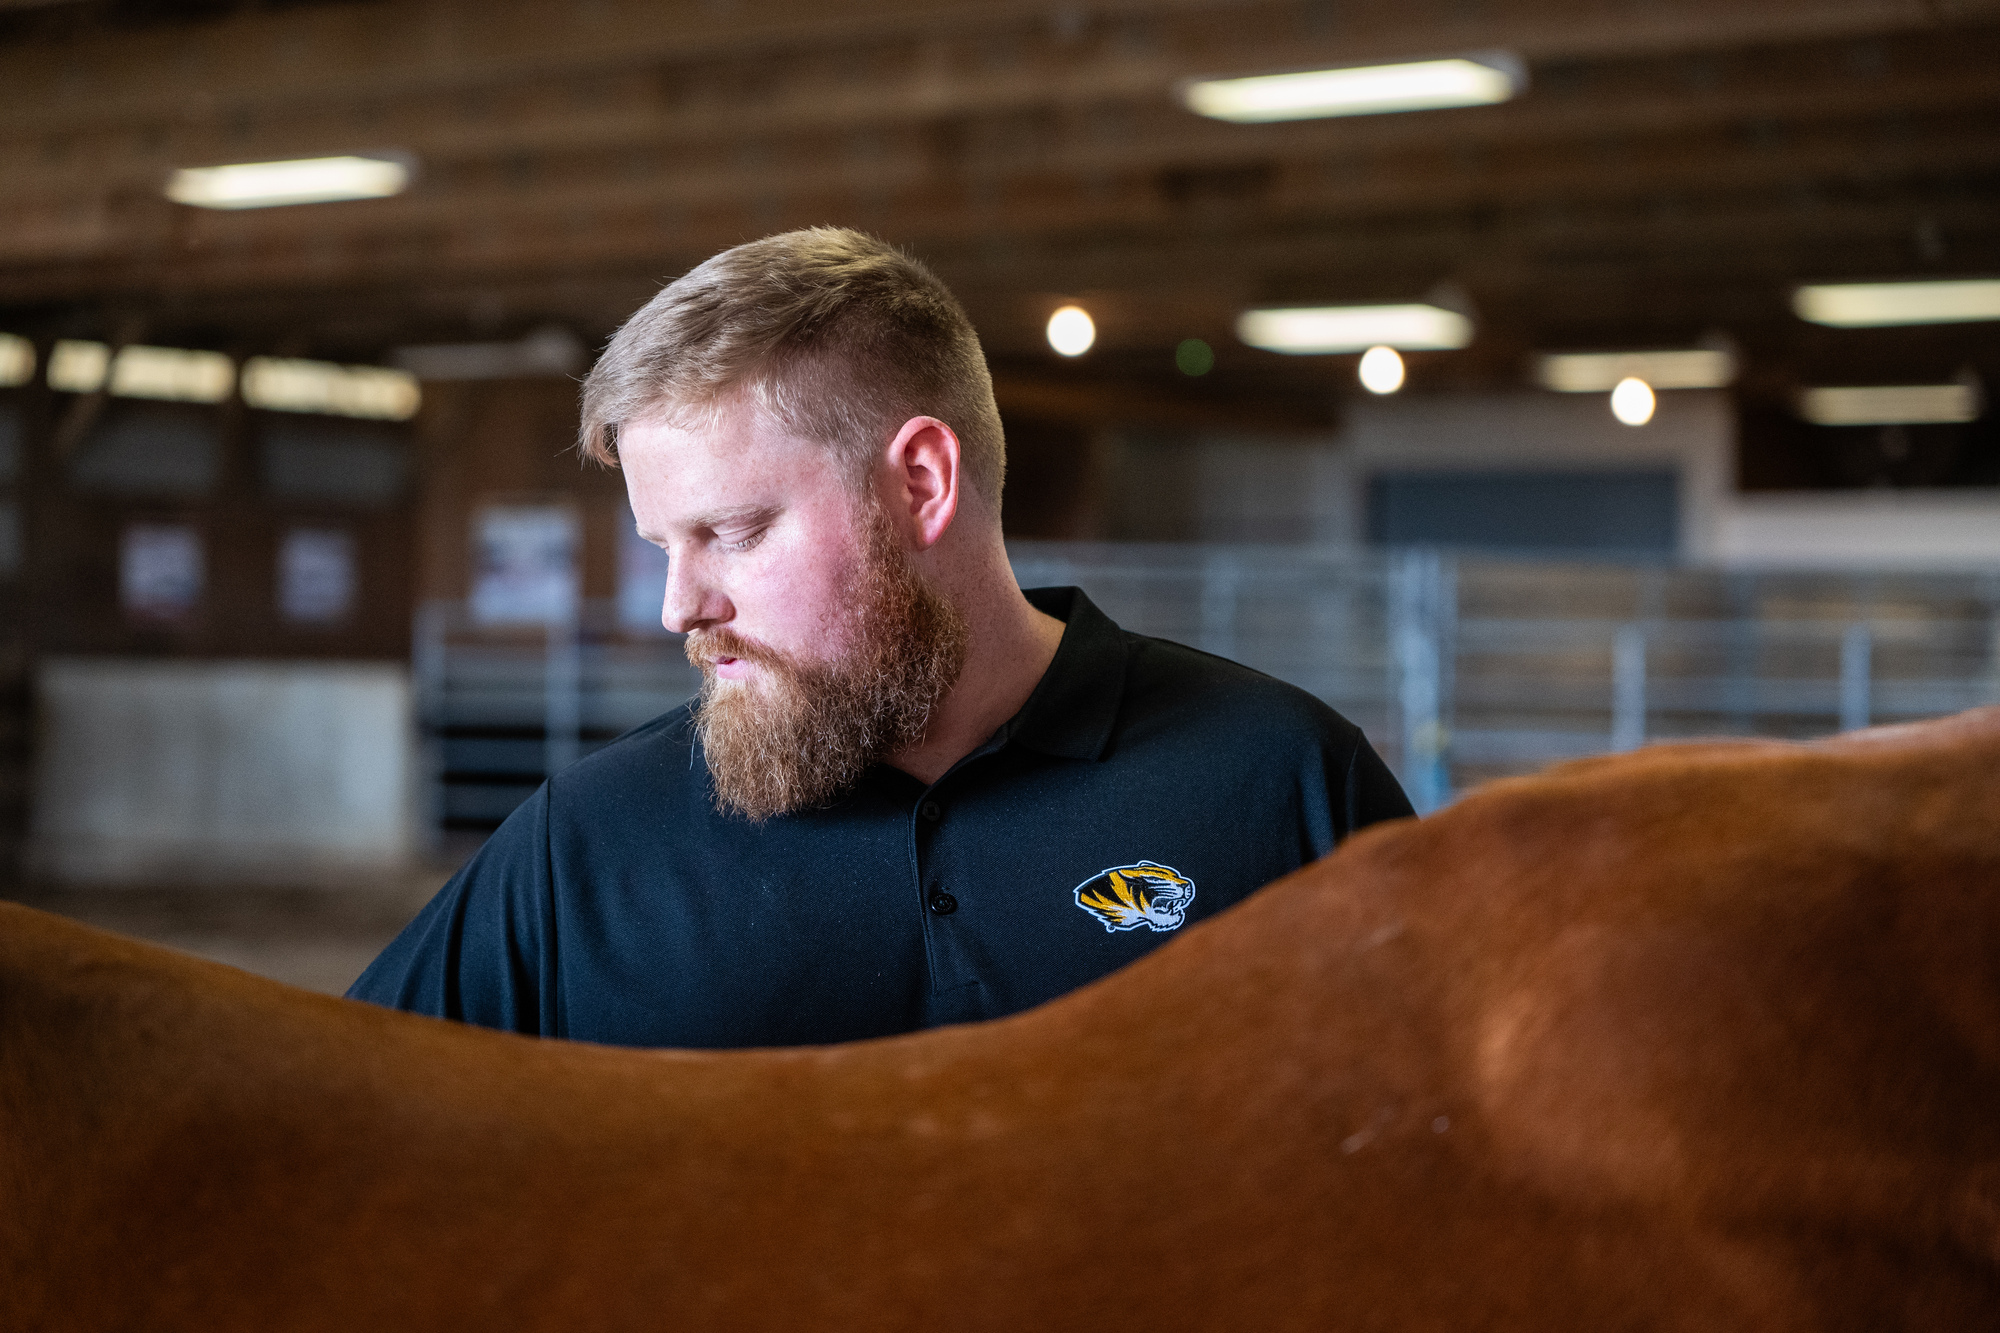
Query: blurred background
x,y
1527,378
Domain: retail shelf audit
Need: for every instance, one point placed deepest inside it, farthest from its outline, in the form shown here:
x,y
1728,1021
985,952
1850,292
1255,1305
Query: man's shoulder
x,y
659,751
1230,734
1172,682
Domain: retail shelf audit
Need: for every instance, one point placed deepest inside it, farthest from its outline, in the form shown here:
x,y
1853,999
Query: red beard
x,y
799,734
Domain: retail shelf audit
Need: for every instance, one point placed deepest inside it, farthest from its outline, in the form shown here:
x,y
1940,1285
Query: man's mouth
x,y
728,666
705,653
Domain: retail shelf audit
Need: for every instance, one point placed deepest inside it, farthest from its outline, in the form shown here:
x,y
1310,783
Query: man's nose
x,y
693,601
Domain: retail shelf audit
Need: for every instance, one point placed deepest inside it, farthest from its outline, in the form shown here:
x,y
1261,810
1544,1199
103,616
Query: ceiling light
x,y
1381,370
1595,372
1362,90
1632,401
1854,305
176,374
1890,404
1071,330
78,367
1353,328
17,360
285,385
311,180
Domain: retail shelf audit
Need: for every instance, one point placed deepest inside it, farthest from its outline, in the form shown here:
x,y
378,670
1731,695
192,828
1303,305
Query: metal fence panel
x,y
1458,670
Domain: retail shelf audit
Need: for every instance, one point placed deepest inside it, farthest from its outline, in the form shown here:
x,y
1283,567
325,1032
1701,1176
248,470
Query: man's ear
x,y
924,479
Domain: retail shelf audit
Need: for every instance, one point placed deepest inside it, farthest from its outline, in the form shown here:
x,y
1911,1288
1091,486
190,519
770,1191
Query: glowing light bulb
x,y
1071,330
1194,357
1632,401
1381,370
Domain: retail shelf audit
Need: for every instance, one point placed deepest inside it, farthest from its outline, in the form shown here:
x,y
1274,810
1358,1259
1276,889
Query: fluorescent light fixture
x,y
1860,305
1632,401
172,373
1890,404
310,180
175,374
1308,330
285,385
1071,330
1599,372
1362,90
78,367
17,360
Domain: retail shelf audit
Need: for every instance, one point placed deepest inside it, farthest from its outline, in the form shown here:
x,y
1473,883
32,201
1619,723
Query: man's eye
x,y
745,543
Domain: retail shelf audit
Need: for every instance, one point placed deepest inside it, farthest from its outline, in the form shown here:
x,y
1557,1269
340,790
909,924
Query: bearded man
x,y
908,793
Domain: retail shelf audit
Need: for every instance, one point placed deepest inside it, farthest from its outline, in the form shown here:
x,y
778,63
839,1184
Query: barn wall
x,y
1313,488
1882,529
239,482
161,770
506,442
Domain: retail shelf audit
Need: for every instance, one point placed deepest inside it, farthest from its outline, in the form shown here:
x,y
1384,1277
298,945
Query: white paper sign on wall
x,y
524,565
316,576
161,570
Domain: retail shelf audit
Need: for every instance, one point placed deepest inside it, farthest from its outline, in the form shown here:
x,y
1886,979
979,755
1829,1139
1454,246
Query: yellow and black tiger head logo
x,y
1142,894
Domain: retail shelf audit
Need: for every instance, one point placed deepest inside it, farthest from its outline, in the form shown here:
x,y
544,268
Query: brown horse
x,y
1705,1037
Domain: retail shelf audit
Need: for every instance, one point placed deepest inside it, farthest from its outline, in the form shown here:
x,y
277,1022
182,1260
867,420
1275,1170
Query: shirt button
x,y
929,810
942,903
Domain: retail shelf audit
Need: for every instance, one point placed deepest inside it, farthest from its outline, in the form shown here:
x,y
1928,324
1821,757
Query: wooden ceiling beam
x,y
1755,243
533,132
1567,308
590,219
1733,253
259,63
1585,270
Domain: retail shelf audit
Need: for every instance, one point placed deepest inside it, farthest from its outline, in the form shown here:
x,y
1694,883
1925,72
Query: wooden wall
x,y
72,531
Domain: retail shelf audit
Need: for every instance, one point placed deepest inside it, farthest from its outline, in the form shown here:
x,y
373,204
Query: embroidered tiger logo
x,y
1142,894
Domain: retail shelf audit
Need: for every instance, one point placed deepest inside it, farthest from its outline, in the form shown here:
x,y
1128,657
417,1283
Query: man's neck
x,y
1009,647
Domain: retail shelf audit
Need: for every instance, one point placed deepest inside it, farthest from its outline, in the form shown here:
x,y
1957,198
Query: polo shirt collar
x,y
1074,707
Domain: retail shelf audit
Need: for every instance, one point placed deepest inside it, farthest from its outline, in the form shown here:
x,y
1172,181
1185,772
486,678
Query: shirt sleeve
x,y
1373,794
482,951
1342,785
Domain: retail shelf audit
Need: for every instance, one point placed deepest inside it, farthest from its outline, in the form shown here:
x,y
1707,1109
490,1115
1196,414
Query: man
x,y
908,794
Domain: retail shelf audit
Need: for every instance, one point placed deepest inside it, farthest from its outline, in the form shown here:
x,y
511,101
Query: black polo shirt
x,y
1143,786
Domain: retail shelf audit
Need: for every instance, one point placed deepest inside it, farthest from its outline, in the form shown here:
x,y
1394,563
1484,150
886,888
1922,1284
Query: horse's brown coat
x,y
1706,1037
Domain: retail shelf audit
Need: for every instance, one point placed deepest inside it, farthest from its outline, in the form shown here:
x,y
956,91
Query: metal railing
x,y
1459,670
503,707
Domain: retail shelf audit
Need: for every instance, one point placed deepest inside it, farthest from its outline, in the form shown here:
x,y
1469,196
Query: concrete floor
x,y
316,938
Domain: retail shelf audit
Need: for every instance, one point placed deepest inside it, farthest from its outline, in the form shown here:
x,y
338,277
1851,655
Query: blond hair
x,y
839,335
